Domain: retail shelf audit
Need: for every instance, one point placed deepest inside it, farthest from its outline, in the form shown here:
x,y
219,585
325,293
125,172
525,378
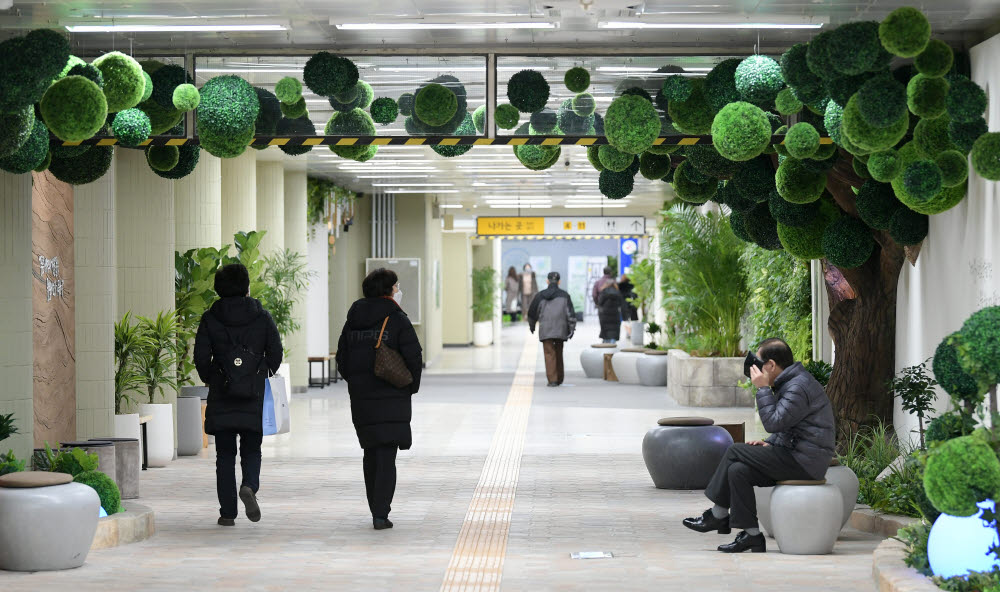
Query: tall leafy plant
x,y
484,287
915,389
194,293
703,283
780,302
130,342
286,277
643,276
157,359
7,426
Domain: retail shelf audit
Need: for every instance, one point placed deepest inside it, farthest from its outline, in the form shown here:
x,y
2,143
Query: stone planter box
x,y
706,382
136,523
892,575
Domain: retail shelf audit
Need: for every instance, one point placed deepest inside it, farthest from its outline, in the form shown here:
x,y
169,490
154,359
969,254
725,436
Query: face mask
x,y
398,297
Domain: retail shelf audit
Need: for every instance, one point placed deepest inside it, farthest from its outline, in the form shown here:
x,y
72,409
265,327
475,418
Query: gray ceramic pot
x,y
47,528
684,457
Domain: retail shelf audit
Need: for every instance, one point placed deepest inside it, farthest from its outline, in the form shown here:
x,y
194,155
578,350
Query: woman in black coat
x,y
236,328
380,411
611,309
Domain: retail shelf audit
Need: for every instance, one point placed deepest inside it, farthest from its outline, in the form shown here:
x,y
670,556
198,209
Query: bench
x,y
805,516
323,362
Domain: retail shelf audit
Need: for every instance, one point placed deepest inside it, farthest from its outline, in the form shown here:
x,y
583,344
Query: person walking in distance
x,y
236,347
611,308
380,410
528,287
511,288
552,312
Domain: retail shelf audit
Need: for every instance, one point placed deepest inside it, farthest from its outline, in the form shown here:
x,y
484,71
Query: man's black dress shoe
x,y
708,522
381,523
746,542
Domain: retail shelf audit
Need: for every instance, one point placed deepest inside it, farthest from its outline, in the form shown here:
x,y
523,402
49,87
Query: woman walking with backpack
x,y
236,348
381,359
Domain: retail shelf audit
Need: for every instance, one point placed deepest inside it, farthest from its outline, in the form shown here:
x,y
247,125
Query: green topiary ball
x,y
536,158
868,137
882,101
162,120
29,64
741,131
593,156
876,204
964,135
965,101
302,126
946,199
479,119
528,91
853,48
327,75
798,184
616,185
718,88
124,83
631,124
654,166
577,79
637,91
405,104
188,156
695,115
949,425
507,116
754,179
847,242
978,346
105,487
131,127
351,123
186,97
89,72
952,377
762,227
613,159
229,106
961,473
758,79
44,165
294,110
926,96
162,158
86,168
15,129
676,88
790,214
359,97
738,224
931,136
707,160
986,156
729,196
908,227
787,103
584,104
384,110
922,179
74,109
227,146
954,167
288,90
795,68
31,154
832,120
806,242
543,122
905,32
818,56
885,166
467,128
147,93
935,60
165,81
802,141
689,188
267,116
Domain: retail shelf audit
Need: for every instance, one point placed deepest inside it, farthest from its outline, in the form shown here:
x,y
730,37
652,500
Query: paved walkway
x,y
580,482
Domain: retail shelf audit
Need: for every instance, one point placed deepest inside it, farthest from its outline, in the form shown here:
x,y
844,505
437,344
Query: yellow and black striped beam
x,y
559,236
421,141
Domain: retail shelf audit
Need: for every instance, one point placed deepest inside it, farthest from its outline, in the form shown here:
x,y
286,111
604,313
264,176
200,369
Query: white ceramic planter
x,y
638,333
763,495
47,528
625,363
844,479
127,426
189,423
652,368
592,359
806,518
482,333
159,433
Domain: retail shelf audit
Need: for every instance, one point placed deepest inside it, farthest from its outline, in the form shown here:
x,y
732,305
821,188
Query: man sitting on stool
x,y
794,409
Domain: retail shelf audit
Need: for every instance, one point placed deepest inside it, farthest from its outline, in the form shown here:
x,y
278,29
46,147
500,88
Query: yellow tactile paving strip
x,y
477,560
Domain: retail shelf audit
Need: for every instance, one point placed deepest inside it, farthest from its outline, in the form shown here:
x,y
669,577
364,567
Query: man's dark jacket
x,y
552,311
798,415
248,324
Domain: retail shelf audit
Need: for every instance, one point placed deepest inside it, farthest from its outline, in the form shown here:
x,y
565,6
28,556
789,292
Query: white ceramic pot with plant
x,y
156,364
484,287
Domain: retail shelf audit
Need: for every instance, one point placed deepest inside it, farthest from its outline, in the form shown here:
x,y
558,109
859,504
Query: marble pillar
x,y
198,206
271,206
16,351
239,195
319,341
296,237
53,301
96,306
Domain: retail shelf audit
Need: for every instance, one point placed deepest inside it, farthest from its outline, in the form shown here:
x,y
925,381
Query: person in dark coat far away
x,y
625,286
610,311
602,282
237,346
795,410
381,412
552,311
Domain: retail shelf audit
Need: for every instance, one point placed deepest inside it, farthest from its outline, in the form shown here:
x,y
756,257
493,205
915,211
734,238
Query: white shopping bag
x,y
276,416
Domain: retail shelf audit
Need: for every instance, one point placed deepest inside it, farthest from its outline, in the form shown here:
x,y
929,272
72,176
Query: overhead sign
x,y
560,226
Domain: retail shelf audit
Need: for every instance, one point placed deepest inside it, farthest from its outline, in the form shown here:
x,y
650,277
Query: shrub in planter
x,y
74,461
106,489
327,75
124,84
74,109
528,91
961,473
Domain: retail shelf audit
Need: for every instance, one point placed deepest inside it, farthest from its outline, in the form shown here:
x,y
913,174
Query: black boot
x,y
708,522
755,543
381,523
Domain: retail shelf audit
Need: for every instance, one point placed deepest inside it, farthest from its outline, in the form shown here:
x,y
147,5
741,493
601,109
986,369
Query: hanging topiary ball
x,y
847,242
327,75
528,91
91,73
986,156
964,135
294,110
935,60
905,32
124,83
908,227
922,179
162,158
832,120
868,137
931,137
790,214
577,79
584,104
615,185
131,127
351,123
741,131
787,103
926,96
853,48
882,101
186,97
802,141
695,115
654,166
758,80
719,88
31,154
74,109
544,121
288,90
965,100
384,110
85,168
676,88
885,166
632,124
15,129
797,183
806,241
876,204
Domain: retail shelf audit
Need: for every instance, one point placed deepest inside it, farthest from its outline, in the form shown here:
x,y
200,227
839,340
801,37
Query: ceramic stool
x,y
47,522
128,465
844,479
625,363
592,359
683,452
806,516
763,496
189,434
105,452
652,368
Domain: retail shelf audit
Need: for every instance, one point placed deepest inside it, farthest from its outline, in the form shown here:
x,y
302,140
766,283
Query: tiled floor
x,y
581,486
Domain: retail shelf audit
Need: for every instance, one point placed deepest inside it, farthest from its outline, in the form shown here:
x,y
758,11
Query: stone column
x,y
198,206
320,341
16,350
239,196
96,306
271,206
296,237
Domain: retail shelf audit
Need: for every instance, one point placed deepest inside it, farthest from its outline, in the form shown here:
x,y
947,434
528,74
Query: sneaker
x,y
250,501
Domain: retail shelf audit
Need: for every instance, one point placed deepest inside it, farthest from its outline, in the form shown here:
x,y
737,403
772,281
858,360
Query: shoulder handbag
x,y
389,364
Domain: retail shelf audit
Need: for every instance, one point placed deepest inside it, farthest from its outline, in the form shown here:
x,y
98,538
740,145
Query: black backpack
x,y
239,366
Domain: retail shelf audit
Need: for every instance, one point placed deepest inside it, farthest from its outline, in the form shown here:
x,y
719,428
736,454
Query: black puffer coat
x,y
253,326
798,415
610,312
381,412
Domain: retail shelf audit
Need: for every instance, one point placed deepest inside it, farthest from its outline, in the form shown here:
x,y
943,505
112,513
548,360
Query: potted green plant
x,y
643,277
130,340
484,287
156,364
915,389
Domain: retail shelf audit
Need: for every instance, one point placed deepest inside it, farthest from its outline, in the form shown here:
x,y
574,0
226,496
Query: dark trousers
x,y
225,467
380,479
744,467
554,360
